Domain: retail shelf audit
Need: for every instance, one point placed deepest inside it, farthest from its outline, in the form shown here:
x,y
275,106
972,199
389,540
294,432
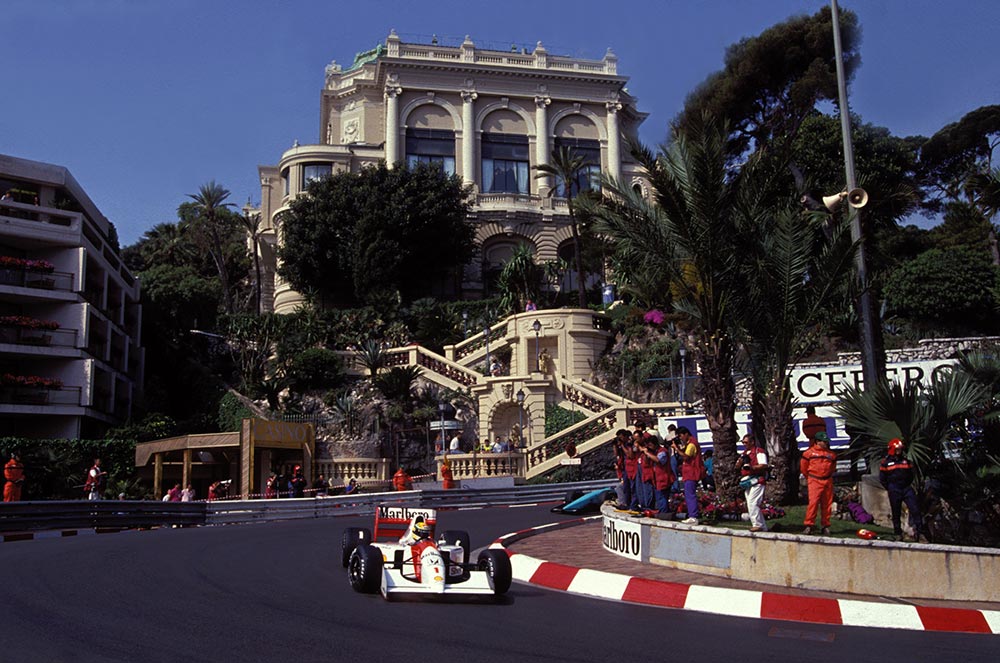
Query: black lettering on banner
x,y
942,371
802,389
912,374
621,541
833,382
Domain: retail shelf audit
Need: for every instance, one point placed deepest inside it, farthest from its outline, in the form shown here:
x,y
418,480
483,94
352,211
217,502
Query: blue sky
x,y
146,100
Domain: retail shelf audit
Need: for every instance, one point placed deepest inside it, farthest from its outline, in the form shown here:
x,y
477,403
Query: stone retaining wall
x,y
809,562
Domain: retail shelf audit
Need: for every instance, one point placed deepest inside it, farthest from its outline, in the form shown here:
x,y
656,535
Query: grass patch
x,y
791,523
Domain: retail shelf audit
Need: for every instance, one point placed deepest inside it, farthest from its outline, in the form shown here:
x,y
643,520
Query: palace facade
x,y
489,116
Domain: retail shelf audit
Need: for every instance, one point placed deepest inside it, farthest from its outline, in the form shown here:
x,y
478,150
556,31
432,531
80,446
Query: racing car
x,y
404,558
577,502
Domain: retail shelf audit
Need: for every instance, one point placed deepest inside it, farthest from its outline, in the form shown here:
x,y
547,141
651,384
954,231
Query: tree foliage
x,y
960,150
942,286
770,83
376,235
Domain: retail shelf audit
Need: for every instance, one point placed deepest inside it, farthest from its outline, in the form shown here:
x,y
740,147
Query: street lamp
x,y
872,354
683,352
520,426
465,324
441,410
537,326
486,335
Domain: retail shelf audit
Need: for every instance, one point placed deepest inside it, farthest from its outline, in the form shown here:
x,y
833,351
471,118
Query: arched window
x,y
588,177
505,164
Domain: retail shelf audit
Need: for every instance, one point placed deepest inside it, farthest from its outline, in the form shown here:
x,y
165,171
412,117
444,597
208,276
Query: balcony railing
x,y
47,215
36,396
42,280
63,338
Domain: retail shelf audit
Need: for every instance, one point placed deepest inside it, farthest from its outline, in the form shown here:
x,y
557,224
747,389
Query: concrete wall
x,y
809,562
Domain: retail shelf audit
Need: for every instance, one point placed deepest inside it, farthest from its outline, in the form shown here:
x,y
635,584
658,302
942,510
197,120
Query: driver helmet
x,y
421,529
895,446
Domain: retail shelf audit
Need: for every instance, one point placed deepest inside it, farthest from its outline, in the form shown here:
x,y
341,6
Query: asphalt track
x,y
277,592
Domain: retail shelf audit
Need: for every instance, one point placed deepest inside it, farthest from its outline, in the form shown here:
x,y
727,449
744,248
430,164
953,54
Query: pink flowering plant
x,y
10,262
27,322
654,317
31,381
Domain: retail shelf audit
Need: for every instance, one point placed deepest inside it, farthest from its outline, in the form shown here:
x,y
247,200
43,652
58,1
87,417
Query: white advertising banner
x,y
623,538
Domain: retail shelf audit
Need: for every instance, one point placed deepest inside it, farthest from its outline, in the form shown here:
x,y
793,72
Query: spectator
x,y
13,472
675,457
896,476
657,462
812,424
447,478
320,486
709,482
646,480
624,488
352,487
753,477
530,306
187,495
94,485
297,484
401,480
692,471
174,494
497,446
496,370
271,487
455,446
213,491
631,470
818,464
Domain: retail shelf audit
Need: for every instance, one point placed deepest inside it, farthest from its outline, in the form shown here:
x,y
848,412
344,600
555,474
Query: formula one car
x,y
404,558
577,502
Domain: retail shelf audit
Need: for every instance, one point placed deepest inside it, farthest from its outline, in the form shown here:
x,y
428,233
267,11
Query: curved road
x,y
277,592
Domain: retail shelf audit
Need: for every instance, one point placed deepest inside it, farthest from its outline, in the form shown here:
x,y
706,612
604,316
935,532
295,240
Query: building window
x,y
505,163
312,172
589,177
431,146
284,182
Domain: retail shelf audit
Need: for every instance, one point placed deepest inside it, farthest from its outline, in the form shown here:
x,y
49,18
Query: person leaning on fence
x,y
447,478
818,464
401,480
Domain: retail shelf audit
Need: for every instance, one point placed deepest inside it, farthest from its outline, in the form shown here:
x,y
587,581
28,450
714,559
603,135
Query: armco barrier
x,y
38,516
850,566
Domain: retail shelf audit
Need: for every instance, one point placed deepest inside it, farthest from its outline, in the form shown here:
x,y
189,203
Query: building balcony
x,y
26,278
17,395
507,201
63,338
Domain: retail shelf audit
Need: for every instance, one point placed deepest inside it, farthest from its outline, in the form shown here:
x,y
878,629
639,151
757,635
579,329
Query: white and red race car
x,y
404,557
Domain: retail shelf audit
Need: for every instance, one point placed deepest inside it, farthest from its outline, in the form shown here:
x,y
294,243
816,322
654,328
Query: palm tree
x,y
519,280
566,168
251,223
208,202
792,274
690,238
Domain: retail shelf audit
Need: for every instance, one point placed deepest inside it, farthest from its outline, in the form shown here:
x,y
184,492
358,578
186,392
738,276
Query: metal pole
x,y
872,356
486,333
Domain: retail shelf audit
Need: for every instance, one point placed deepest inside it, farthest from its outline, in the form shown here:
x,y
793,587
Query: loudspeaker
x,y
856,198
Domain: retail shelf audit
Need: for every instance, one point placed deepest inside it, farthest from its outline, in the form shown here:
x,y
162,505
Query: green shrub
x,y
232,412
316,368
56,469
559,418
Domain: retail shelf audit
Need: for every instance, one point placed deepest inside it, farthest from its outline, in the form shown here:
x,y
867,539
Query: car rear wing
x,y
392,523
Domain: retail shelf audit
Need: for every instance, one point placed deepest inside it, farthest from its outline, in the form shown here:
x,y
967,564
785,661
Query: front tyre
x,y
496,563
364,569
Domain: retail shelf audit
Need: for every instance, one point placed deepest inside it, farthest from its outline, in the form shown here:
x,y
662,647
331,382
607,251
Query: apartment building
x,y
71,359
490,116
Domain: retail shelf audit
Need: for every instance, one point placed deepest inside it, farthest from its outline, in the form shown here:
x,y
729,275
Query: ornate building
x,y
489,116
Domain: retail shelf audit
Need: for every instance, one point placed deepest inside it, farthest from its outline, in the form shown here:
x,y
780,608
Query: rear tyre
x,y
364,569
496,563
350,539
456,537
